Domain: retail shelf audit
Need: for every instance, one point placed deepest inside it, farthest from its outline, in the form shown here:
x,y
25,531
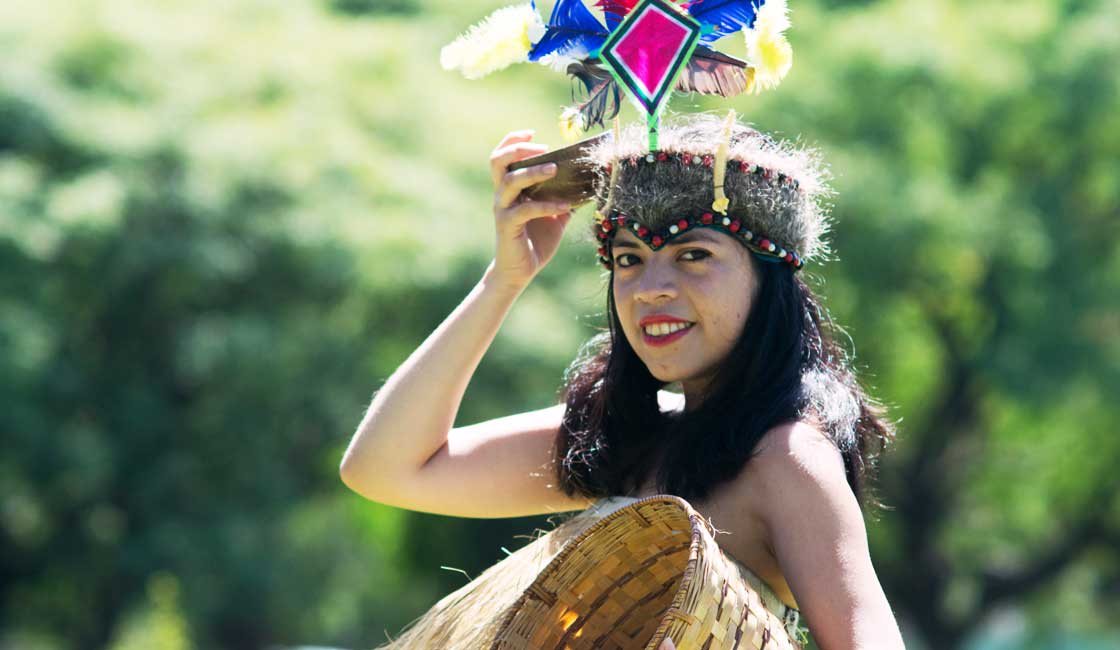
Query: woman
x,y
771,438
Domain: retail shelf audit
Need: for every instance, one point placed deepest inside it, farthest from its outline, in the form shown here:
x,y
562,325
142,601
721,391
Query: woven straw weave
x,y
649,570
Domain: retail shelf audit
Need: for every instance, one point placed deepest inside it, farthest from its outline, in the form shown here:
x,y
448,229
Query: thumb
x,y
667,644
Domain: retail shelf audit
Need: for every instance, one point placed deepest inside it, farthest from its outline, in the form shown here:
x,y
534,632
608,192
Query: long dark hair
x,y
785,367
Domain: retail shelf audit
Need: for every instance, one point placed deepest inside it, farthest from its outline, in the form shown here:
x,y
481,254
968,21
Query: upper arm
x,y
502,467
819,539
505,467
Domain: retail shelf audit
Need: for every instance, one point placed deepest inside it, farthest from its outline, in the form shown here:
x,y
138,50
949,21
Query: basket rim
x,y
569,547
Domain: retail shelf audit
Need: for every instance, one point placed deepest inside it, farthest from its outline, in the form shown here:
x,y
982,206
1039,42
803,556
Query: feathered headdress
x,y
606,59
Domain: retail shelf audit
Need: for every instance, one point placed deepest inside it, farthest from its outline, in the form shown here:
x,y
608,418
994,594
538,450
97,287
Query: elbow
x,y
361,479
353,480
350,466
348,472
345,474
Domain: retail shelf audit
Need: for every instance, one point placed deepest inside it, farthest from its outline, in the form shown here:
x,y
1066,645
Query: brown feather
x,y
603,96
713,73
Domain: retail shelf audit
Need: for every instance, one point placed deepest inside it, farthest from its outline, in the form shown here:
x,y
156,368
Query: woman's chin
x,y
666,374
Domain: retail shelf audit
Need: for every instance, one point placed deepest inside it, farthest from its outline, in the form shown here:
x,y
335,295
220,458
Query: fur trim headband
x,y
775,192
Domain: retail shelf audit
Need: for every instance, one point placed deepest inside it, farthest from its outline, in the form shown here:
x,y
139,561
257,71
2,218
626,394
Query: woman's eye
x,y
618,260
695,253
702,254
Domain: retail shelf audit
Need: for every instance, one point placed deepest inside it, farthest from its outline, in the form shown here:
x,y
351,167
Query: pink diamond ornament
x,y
647,51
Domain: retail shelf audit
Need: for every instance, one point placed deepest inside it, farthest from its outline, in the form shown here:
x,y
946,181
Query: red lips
x,y
668,338
660,318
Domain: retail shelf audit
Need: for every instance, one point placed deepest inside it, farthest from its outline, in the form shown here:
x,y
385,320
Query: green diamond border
x,y
652,105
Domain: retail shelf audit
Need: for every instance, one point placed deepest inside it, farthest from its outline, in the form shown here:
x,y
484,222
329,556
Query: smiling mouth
x,y
665,333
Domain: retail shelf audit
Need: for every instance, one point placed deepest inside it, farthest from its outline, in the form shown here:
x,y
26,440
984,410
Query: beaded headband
x,y
766,249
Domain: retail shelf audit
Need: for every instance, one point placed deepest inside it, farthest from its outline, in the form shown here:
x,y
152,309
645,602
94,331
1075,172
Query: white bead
x,y
726,221
696,160
674,229
748,234
772,247
781,252
649,157
635,226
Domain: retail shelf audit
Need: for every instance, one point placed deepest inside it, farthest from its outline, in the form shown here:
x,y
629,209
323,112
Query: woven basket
x,y
649,570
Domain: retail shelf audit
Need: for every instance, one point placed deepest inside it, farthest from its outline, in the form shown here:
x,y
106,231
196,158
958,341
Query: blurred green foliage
x,y
223,225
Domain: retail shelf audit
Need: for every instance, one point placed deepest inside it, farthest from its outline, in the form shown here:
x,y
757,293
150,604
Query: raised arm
x,y
394,454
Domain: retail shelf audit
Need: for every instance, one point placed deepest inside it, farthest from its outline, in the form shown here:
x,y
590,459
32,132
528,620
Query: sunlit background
x,y
223,224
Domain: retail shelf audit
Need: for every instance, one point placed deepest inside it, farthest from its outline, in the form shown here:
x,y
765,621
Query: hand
x,y
528,232
667,644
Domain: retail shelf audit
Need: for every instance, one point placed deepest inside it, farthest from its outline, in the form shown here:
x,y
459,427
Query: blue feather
x,y
613,19
571,24
725,16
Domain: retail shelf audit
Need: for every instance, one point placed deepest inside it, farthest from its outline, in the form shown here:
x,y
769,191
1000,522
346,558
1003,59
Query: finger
x,y
502,157
529,210
513,182
667,644
516,136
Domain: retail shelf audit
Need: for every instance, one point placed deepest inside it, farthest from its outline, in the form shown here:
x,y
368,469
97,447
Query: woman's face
x,y
702,280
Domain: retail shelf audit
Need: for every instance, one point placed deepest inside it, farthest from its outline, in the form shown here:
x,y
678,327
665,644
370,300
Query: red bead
x,y
607,225
602,235
657,240
682,224
608,168
603,251
662,156
643,231
764,244
706,217
767,174
633,162
735,226
743,166
789,257
621,220
707,161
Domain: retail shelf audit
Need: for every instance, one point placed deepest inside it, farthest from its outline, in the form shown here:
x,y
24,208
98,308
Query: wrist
x,y
493,279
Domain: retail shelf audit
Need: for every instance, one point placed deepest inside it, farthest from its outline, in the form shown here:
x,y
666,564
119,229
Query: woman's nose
x,y
656,284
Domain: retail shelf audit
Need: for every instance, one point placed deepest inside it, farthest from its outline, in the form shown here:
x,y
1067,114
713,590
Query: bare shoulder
x,y
816,529
799,486
797,452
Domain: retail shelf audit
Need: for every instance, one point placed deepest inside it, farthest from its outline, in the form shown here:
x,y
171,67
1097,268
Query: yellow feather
x,y
767,48
571,124
502,38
